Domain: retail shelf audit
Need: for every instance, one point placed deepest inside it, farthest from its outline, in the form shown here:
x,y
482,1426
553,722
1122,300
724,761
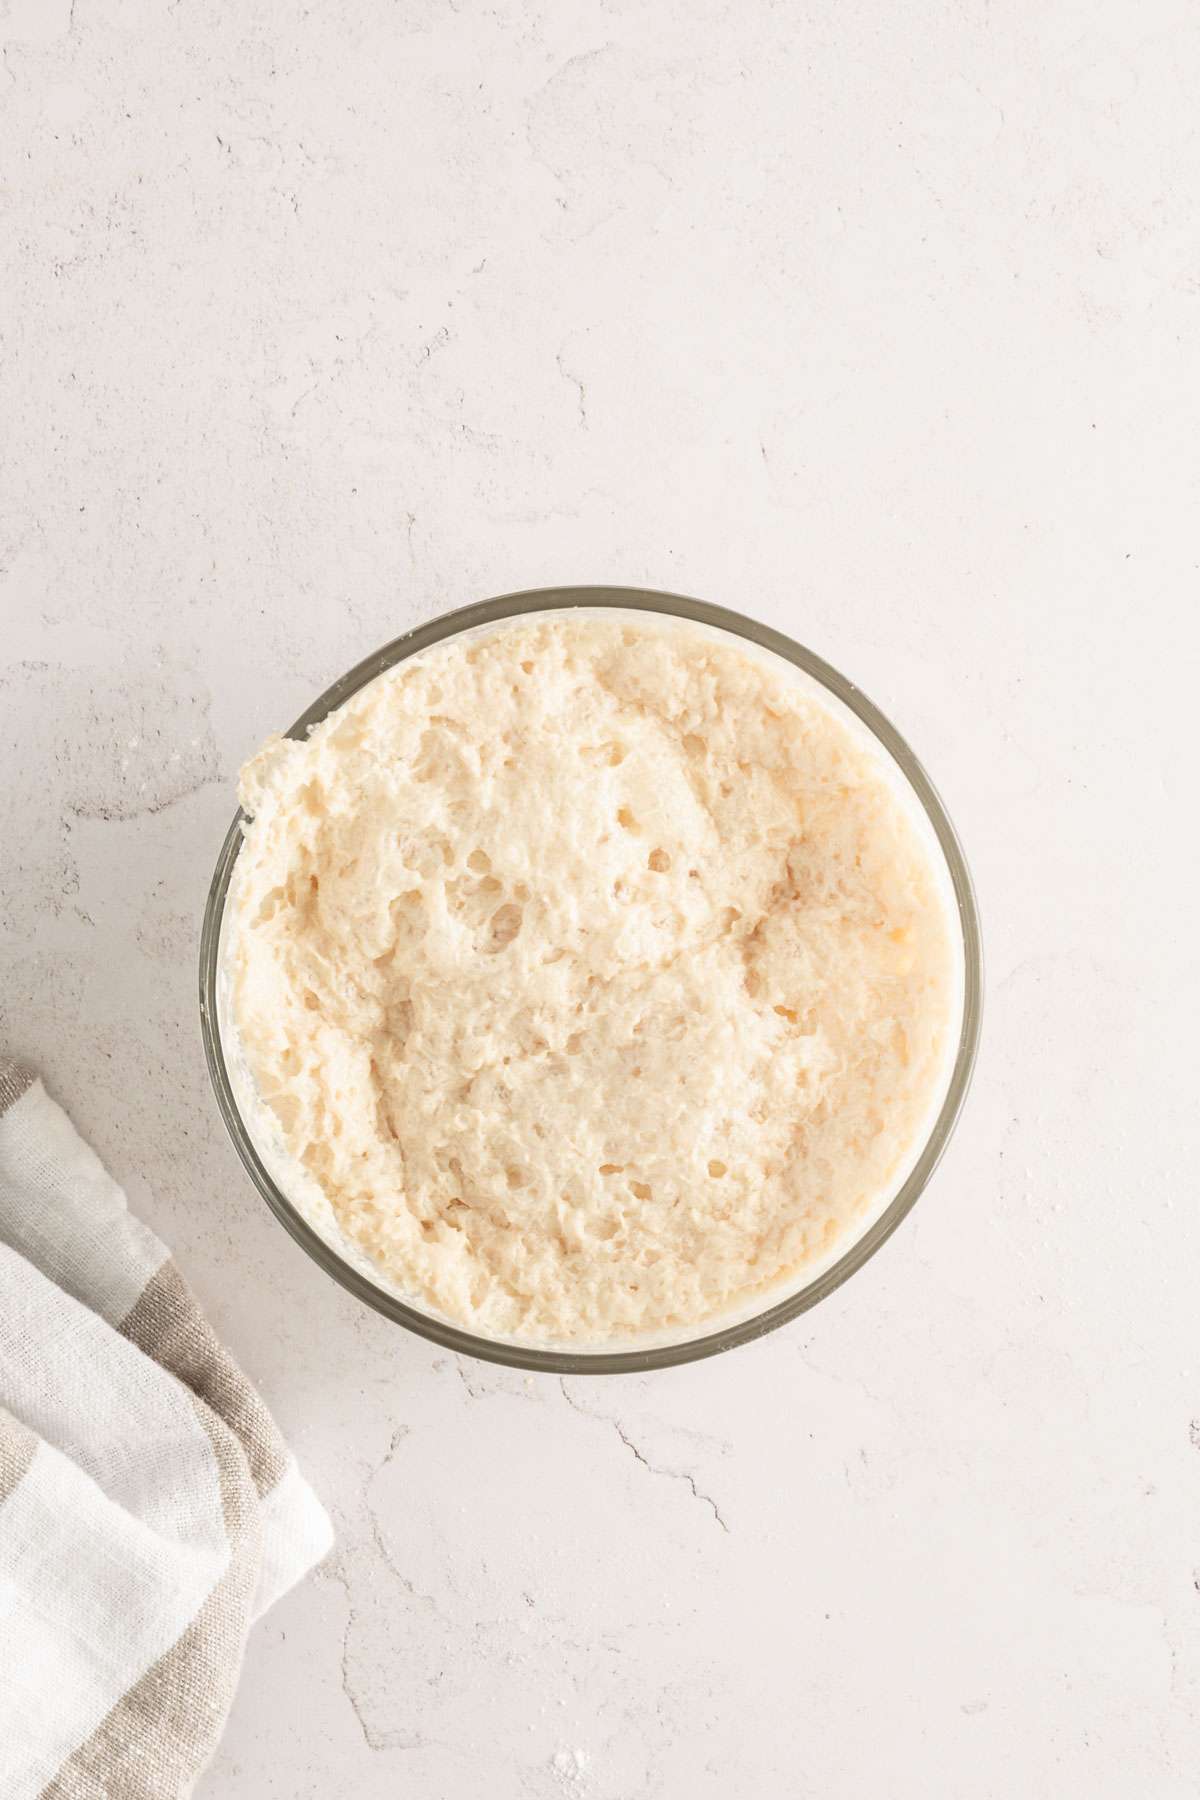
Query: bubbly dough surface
x,y
593,970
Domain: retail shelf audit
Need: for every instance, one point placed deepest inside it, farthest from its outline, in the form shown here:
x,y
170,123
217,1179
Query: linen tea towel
x,y
149,1510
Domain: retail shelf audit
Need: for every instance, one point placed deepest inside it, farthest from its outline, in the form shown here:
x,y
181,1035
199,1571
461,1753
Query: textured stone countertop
x,y
880,323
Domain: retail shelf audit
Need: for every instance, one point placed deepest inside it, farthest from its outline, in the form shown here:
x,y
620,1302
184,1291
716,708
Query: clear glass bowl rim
x,y
727,1337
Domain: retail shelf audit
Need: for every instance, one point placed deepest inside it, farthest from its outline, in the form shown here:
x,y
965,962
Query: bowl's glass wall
x,y
764,1315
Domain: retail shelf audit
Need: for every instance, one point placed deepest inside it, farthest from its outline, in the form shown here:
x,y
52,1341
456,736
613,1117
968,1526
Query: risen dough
x,y
594,970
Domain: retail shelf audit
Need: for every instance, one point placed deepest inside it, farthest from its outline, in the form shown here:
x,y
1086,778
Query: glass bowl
x,y
714,1335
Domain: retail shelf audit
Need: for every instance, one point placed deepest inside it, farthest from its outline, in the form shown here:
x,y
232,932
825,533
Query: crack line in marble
x,y
654,1468
575,382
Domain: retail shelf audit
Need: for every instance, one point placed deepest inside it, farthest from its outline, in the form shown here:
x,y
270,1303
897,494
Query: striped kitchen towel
x,y
149,1510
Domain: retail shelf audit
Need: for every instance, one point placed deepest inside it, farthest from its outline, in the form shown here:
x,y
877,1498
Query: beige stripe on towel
x,y
13,1082
167,1324
166,1727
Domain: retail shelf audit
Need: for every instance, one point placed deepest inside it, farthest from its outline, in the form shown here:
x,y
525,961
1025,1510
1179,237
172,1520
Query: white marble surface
x,y
877,321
